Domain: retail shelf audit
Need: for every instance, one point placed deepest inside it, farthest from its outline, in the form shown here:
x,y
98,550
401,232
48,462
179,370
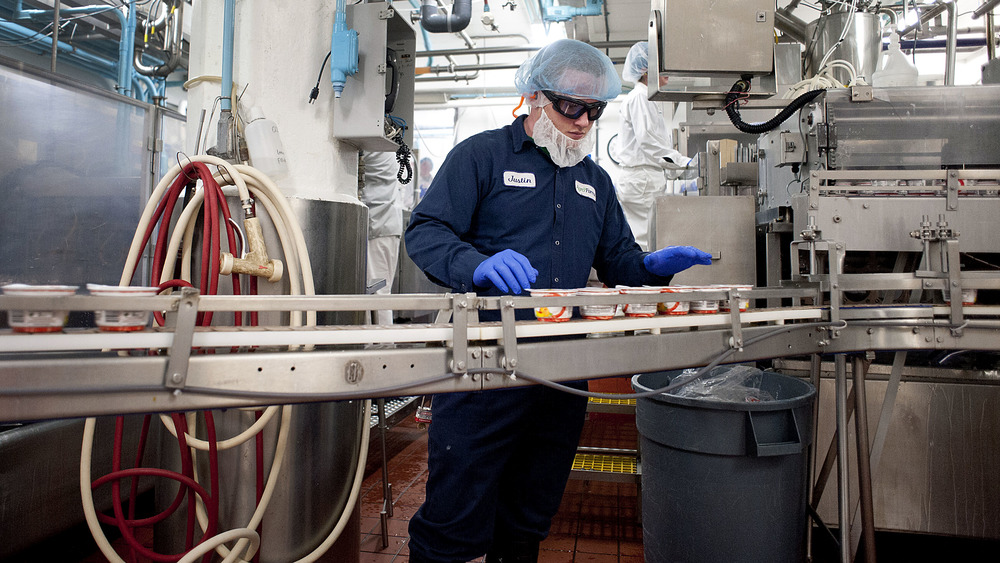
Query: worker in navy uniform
x,y
509,209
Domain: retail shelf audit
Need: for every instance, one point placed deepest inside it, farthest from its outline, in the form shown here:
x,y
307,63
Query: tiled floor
x,y
597,522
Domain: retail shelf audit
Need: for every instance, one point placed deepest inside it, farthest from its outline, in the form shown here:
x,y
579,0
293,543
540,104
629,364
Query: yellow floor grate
x,y
605,464
612,401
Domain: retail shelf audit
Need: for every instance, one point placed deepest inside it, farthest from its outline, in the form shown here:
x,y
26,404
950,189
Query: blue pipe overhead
x,y
43,44
553,13
127,21
228,39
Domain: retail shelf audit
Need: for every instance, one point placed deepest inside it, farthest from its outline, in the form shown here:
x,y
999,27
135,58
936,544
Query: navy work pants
x,y
498,463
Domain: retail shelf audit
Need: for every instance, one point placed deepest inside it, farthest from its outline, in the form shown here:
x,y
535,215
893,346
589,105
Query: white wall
x,y
279,50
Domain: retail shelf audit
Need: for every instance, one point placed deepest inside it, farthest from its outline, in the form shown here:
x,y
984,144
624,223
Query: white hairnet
x,y
636,62
570,67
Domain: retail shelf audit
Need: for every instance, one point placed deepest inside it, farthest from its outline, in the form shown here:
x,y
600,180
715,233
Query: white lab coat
x,y
641,147
383,195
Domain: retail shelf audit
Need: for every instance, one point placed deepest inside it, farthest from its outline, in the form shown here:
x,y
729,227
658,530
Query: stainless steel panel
x,y
729,37
927,127
336,235
721,226
885,223
72,179
938,468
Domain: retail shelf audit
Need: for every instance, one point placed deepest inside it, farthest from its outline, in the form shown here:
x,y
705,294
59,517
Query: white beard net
x,y
563,150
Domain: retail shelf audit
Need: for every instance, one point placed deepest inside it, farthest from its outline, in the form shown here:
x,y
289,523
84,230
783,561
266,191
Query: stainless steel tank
x,y
862,45
322,452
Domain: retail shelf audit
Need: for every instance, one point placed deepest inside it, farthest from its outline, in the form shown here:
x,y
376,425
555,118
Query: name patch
x,y
586,190
519,179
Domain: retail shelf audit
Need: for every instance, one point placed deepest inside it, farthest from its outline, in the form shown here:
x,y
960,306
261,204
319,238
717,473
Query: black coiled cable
x,y
405,173
741,87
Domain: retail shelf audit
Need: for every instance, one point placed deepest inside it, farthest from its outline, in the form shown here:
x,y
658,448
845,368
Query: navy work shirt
x,y
497,190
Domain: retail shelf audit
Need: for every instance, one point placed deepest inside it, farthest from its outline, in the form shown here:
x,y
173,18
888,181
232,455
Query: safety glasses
x,y
574,108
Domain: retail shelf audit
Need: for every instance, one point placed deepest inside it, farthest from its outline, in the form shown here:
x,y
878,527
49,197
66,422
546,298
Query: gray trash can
x,y
724,481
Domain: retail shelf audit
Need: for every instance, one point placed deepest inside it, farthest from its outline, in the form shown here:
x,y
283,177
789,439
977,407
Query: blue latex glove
x,y
672,259
507,270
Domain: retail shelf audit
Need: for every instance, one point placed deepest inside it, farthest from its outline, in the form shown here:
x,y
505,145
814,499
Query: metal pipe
x,y
790,25
859,369
815,373
930,13
477,51
434,20
101,66
843,475
125,43
228,38
892,16
991,38
55,33
513,49
172,45
466,68
949,51
986,7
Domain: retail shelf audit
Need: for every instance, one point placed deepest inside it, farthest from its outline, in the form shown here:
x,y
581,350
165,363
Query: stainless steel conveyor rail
x,y
85,372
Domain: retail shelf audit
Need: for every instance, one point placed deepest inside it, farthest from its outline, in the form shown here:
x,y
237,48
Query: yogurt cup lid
x,y
26,289
98,289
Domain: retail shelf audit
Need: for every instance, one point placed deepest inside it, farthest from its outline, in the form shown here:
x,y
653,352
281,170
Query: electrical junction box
x,y
359,116
704,47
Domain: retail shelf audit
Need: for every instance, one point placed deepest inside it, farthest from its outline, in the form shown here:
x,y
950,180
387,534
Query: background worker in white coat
x,y
382,193
644,148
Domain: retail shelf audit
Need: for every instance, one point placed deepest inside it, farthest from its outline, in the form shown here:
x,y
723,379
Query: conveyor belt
x,y
73,373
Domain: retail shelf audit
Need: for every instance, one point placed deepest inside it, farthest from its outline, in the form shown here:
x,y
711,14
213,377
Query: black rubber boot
x,y
517,551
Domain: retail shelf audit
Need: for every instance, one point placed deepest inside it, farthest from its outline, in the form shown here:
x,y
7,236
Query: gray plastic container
x,y
724,481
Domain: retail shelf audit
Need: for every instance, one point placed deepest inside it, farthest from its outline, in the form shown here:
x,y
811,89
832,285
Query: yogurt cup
x,y
639,309
38,321
121,321
674,307
551,314
968,296
704,306
601,312
744,300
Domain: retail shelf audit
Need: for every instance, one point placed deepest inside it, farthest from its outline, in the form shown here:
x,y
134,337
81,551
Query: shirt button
x,y
555,279
557,243
558,206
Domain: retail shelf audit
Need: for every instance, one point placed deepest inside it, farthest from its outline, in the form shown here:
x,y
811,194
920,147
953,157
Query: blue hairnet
x,y
636,62
570,67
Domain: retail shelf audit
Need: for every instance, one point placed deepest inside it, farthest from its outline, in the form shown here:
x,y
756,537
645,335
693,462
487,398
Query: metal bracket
x,y
460,331
861,93
736,341
509,360
954,282
951,190
386,13
835,254
180,353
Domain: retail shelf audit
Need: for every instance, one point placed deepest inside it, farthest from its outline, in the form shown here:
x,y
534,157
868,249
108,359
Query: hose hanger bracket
x,y
185,319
